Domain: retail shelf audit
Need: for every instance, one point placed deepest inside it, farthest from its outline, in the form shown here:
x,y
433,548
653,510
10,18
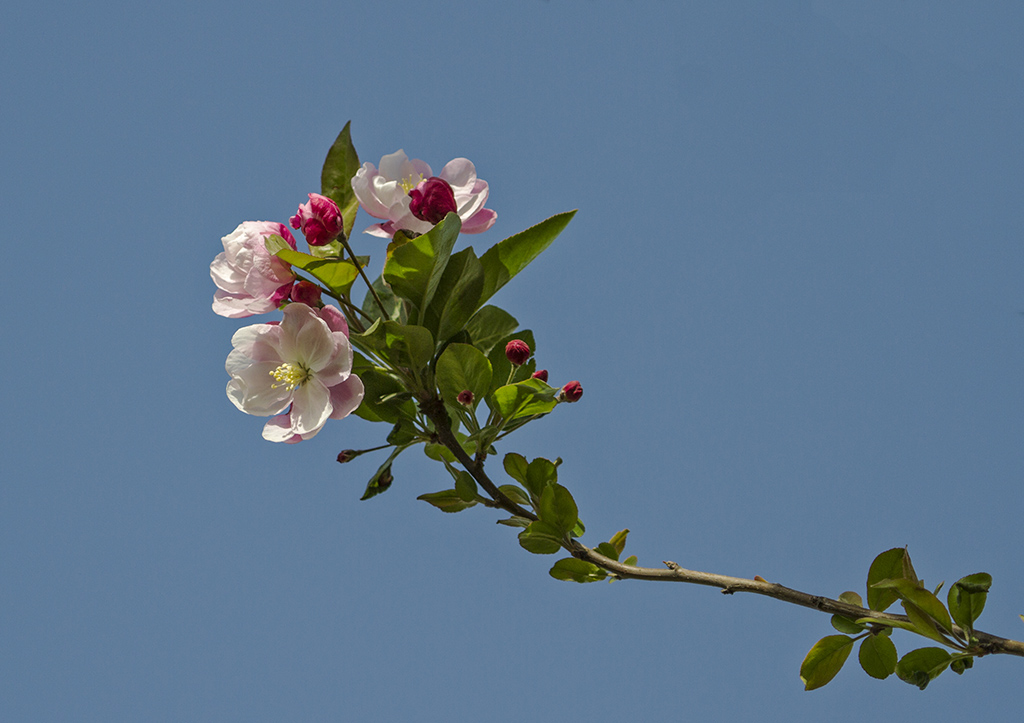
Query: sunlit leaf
x,y
825,660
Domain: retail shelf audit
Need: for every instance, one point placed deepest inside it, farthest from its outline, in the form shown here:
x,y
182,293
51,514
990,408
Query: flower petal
x,y
311,407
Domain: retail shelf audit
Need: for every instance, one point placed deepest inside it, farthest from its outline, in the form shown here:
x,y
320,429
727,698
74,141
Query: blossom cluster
x,y
298,371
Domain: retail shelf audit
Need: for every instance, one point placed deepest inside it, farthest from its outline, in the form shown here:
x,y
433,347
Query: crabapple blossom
x,y
320,220
432,200
517,351
297,372
250,280
572,391
387,194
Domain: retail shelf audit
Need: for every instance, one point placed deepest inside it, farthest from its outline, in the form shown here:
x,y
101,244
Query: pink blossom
x,y
320,220
297,372
250,280
306,292
385,194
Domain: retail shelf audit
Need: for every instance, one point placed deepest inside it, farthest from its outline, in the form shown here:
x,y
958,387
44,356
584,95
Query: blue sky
x,y
792,294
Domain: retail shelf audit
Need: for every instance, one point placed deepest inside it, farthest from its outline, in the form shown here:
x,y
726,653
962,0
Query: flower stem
x,y
359,268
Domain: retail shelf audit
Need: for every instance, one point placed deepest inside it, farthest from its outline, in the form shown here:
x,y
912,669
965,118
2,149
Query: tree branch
x,y
435,411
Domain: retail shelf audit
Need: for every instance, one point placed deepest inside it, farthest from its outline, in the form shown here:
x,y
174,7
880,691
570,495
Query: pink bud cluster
x,y
518,353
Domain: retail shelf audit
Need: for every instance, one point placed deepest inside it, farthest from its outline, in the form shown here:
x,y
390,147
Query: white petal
x,y
311,407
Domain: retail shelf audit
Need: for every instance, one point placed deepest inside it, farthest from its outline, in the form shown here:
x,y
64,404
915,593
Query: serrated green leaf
x,y
488,326
414,269
558,508
541,538
381,402
878,656
403,433
516,466
572,570
825,660
892,564
447,501
524,399
461,367
966,598
339,167
507,258
920,667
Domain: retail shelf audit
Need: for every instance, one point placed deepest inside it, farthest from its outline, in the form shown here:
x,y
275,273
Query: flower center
x,y
408,183
290,376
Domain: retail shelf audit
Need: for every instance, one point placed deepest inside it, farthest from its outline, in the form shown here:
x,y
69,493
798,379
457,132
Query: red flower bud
x,y
432,200
320,220
541,374
465,397
347,455
517,352
306,292
572,391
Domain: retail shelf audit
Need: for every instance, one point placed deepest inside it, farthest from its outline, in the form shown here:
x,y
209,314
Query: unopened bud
x,y
572,391
465,397
320,220
347,455
541,374
432,200
517,352
306,292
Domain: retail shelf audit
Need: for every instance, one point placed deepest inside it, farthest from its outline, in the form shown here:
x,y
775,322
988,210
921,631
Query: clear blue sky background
x,y
792,293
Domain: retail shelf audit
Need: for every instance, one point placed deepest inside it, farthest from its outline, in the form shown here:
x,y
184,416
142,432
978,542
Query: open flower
x,y
385,194
299,370
250,280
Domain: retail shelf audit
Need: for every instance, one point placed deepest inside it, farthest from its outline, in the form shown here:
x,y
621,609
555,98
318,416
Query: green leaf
x,y
572,570
462,367
404,433
541,538
380,386
608,550
340,166
516,494
878,656
400,345
851,598
922,666
539,474
457,296
516,466
901,624
414,269
892,564
825,660
524,399
382,479
618,540
846,625
335,273
465,486
507,258
394,309
966,598
558,508
490,325
447,501
631,561
959,665
921,605
516,521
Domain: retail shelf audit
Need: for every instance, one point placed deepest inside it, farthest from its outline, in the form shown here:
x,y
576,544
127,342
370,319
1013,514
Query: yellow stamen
x,y
290,375
408,183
